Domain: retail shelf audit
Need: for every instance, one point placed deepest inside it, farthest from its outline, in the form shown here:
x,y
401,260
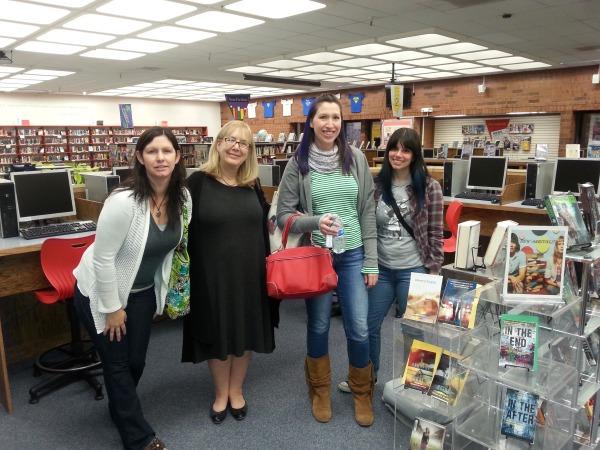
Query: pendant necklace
x,y
157,213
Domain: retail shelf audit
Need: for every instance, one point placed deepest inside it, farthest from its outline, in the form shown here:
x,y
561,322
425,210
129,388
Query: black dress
x,y
230,312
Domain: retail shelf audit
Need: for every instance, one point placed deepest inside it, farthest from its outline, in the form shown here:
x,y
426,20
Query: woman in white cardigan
x,y
122,278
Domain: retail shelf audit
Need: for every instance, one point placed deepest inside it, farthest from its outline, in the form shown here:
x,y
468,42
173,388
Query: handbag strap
x,y
406,226
286,230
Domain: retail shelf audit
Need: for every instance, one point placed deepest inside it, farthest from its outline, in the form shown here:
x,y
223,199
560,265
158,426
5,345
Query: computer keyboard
x,y
538,202
57,229
484,196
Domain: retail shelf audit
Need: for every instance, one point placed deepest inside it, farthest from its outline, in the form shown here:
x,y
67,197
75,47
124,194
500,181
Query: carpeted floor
x,y
176,399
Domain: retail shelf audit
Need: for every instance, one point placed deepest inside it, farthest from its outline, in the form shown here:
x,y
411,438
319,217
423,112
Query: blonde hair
x,y
248,171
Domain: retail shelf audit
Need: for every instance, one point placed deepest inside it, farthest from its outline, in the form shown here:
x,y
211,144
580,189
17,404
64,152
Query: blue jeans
x,y
354,302
391,285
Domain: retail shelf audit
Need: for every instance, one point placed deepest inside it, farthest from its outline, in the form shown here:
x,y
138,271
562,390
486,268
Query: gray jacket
x,y
295,194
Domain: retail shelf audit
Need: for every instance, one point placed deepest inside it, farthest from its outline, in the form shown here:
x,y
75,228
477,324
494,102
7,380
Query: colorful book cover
x,y
458,305
593,151
449,379
518,341
427,435
422,363
534,270
423,297
583,421
519,415
563,210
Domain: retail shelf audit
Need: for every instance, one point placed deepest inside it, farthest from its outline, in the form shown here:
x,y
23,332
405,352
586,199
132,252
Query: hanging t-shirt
x,y
252,110
306,104
269,108
356,102
287,107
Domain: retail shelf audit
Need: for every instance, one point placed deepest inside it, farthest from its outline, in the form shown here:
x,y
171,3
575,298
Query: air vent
x,y
588,48
467,3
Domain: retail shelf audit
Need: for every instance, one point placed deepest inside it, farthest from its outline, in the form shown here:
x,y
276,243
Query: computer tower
x,y
539,179
98,185
268,174
282,163
455,177
9,226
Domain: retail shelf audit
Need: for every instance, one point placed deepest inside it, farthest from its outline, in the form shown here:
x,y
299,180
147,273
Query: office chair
x,y
452,218
77,359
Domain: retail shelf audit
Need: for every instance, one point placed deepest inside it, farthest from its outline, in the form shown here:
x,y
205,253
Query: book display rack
x,y
98,146
500,404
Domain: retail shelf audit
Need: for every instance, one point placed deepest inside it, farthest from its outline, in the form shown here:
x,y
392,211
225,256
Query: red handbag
x,y
299,272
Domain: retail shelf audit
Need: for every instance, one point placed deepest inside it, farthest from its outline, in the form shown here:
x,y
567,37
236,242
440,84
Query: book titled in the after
x,y
519,415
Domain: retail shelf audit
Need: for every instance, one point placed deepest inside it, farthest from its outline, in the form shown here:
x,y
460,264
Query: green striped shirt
x,y
337,193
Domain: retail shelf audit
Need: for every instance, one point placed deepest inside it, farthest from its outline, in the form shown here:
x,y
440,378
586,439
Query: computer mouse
x,y
495,200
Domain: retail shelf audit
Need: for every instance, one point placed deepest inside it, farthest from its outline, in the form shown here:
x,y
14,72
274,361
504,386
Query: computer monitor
x,y
487,172
570,171
124,172
43,195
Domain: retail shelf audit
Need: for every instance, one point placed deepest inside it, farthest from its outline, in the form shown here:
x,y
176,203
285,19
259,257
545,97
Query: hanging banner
x,y
238,103
397,99
126,115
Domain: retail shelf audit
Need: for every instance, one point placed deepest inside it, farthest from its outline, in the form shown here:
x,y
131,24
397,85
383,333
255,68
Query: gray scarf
x,y
323,162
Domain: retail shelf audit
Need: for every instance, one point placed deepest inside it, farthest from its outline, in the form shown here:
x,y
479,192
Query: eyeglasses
x,y
244,145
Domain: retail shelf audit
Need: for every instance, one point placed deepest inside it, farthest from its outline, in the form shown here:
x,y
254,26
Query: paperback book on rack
x,y
519,415
534,270
427,435
449,379
563,210
518,341
459,303
422,363
423,297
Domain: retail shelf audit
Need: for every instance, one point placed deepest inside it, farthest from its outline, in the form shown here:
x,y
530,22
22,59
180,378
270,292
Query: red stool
x,y
76,360
452,218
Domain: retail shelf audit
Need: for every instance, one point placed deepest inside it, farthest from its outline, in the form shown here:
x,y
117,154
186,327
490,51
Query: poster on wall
x,y
126,115
237,105
594,137
353,133
390,125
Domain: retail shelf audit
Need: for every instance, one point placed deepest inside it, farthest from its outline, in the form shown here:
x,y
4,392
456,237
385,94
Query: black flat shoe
x,y
239,413
217,417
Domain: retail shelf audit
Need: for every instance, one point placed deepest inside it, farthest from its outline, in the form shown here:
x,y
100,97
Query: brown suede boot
x,y
318,379
362,382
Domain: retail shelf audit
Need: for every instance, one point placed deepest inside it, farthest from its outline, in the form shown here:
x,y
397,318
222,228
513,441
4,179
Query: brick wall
x,y
563,91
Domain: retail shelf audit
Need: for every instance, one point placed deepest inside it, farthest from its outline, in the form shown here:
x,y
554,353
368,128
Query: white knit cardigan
x,y
109,266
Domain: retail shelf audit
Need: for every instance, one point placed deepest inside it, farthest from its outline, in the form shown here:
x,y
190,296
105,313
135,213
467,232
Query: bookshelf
x,y
98,146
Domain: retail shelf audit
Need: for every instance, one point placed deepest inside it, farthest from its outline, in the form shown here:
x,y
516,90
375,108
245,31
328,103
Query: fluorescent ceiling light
x,y
349,72
459,47
119,55
264,88
176,34
100,23
249,69
174,81
70,36
511,60
283,73
8,89
356,62
480,70
155,10
11,82
206,84
439,75
205,2
387,67
415,71
322,57
486,54
422,40
67,3
17,30
58,73
342,80
142,45
274,9
367,49
47,47
29,13
319,68
368,82
151,85
435,61
457,66
376,76
284,64
5,42
316,76
530,65
25,76
219,21
406,78
402,56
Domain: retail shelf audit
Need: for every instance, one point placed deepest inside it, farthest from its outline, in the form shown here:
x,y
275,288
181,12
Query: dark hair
x,y
408,139
140,185
514,239
344,151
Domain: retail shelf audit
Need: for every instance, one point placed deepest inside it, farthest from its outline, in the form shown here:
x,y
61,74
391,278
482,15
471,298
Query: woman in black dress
x,y
230,313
